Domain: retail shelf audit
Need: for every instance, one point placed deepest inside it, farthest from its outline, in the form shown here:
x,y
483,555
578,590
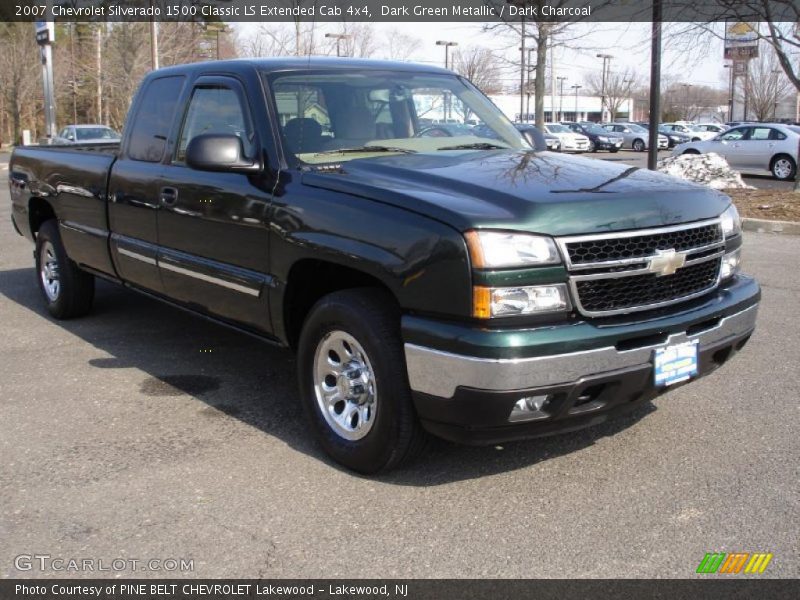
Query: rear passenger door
x,y
213,226
134,184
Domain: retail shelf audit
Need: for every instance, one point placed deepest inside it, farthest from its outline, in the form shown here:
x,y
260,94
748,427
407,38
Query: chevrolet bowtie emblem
x,y
666,262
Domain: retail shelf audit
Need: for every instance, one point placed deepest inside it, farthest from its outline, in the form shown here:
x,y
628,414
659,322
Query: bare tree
x,y
686,101
399,46
479,65
766,84
20,73
618,88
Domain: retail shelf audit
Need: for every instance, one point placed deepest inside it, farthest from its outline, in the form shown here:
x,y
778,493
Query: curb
x,y
765,226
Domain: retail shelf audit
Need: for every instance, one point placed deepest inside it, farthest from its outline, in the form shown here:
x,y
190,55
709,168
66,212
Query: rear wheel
x,y
67,291
353,382
638,145
783,167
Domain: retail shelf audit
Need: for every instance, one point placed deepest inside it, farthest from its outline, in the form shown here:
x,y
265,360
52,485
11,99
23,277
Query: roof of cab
x,y
294,63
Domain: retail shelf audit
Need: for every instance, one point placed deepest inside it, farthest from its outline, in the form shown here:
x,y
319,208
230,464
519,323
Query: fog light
x,y
731,264
529,409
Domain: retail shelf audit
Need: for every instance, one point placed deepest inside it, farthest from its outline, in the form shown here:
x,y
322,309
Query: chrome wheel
x,y
49,272
782,169
344,385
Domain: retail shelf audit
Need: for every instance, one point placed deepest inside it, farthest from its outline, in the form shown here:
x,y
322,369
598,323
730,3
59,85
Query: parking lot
x,y
141,432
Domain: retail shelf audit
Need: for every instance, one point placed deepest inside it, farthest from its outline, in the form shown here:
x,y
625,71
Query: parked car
x,y
674,137
459,285
635,136
737,123
570,141
599,138
755,148
87,134
695,133
715,127
530,131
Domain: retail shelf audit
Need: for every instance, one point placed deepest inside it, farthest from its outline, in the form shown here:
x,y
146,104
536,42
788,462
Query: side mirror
x,y
219,152
535,138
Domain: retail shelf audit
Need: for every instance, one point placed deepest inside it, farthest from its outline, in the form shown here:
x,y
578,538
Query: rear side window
x,y
760,133
154,118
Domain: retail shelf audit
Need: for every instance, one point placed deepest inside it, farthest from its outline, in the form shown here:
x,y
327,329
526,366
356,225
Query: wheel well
x,y
691,151
39,211
308,281
697,139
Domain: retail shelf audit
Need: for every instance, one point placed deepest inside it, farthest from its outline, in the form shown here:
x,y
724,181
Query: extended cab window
x,y
332,117
215,109
153,119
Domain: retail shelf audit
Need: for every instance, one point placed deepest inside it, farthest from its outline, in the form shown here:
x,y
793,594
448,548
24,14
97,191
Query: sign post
x,y
45,35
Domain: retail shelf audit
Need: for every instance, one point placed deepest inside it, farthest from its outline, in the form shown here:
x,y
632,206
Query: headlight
x,y
497,249
731,264
602,138
731,223
513,301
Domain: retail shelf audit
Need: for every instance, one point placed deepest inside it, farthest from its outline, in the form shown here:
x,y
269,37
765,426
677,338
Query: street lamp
x,y
561,81
730,91
338,37
447,44
686,87
217,28
576,87
606,61
521,4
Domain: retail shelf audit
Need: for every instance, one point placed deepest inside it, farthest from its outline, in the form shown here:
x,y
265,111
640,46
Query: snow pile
x,y
709,169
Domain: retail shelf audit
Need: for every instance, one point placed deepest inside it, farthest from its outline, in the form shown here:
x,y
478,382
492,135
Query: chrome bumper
x,y
439,373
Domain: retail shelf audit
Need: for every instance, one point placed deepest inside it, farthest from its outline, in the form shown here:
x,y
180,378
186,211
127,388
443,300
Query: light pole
x,y
528,71
686,87
561,81
730,91
576,87
217,28
606,61
447,44
338,37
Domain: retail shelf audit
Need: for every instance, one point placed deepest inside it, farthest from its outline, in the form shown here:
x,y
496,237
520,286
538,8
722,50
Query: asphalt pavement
x,y
141,432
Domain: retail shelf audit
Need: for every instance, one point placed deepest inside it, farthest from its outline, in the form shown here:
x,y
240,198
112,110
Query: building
x,y
588,108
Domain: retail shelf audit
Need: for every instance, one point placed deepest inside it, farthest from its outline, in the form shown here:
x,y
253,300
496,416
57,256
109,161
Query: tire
x,y
68,291
350,346
592,147
691,151
783,167
614,150
638,145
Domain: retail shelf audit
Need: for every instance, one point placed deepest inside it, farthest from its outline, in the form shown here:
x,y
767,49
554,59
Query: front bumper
x,y
615,145
589,371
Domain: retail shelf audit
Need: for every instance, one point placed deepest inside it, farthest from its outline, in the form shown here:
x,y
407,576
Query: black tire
x,y
74,292
592,147
613,150
691,151
781,174
638,145
371,318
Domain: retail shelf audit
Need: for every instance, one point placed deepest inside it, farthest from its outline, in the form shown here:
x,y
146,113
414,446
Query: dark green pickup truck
x,y
431,278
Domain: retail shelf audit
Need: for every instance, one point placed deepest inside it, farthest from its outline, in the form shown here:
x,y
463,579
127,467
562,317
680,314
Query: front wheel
x,y
783,168
638,145
68,291
353,382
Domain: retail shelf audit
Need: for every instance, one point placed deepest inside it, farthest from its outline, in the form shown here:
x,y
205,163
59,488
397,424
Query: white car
x,y
754,148
715,127
697,134
570,141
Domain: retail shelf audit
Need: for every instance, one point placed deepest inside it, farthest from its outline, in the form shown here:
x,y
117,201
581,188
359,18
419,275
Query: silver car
x,y
87,134
754,148
635,136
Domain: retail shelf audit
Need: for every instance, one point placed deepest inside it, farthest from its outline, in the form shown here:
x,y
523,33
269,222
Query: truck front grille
x,y
645,269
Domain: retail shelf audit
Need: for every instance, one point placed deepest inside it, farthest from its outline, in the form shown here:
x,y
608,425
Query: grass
x,y
775,205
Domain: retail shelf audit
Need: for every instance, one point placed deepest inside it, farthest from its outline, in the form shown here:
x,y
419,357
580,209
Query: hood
x,y
541,192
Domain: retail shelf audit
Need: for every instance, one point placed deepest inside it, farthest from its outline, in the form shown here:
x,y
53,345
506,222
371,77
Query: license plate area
x,y
675,363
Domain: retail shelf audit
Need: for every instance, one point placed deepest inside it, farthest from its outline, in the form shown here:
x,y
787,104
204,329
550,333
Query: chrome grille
x,y
625,272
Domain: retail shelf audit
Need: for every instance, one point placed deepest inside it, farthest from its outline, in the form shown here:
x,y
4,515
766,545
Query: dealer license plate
x,y
676,363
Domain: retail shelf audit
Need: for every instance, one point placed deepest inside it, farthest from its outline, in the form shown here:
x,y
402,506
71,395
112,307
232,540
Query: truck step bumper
x,y
470,399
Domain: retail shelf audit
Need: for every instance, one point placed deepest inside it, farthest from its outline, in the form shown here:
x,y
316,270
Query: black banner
x,y
396,10
714,588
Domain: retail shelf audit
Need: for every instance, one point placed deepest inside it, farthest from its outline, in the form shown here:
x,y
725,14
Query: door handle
x,y
169,196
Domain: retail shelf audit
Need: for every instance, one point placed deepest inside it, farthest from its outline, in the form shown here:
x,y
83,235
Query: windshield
x,y
338,116
96,133
555,128
596,129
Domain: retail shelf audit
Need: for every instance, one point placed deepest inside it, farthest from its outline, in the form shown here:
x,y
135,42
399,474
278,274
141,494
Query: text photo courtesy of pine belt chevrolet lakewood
x,y
431,281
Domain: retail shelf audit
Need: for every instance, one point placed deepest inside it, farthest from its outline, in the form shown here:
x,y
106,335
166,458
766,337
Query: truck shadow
x,y
240,377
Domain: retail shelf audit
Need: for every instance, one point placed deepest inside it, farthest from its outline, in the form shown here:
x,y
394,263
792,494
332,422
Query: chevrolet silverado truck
x,y
431,280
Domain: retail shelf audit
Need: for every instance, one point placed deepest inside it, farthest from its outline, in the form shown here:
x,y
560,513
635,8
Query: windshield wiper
x,y
475,146
362,149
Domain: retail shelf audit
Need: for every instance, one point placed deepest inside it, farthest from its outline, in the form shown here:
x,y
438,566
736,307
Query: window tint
x,y
777,135
153,120
215,109
760,133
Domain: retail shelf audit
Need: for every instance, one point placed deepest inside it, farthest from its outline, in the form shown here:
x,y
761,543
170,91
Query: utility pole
x,y
45,35
153,44
99,65
730,91
746,87
446,45
606,61
655,86
561,81
576,87
342,36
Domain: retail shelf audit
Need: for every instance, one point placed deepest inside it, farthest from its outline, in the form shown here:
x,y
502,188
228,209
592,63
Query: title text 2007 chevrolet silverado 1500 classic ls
x,y
466,285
